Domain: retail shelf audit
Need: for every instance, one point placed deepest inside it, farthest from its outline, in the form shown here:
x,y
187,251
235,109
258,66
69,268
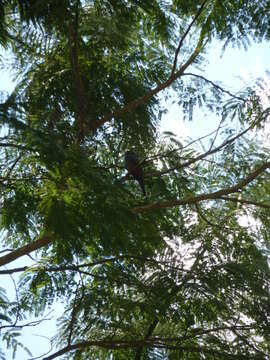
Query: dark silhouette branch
x,y
80,266
216,86
11,169
29,324
47,352
185,35
76,305
5,250
168,153
207,153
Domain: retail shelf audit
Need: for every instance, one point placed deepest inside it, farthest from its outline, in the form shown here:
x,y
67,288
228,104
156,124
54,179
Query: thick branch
x,y
14,270
210,196
24,250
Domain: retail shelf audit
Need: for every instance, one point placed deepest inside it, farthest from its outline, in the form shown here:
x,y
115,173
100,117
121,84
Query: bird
x,y
134,168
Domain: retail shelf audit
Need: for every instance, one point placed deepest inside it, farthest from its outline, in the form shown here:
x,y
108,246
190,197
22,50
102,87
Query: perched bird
x,y
134,168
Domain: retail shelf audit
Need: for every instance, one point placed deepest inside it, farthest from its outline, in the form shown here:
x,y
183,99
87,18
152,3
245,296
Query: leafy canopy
x,y
177,274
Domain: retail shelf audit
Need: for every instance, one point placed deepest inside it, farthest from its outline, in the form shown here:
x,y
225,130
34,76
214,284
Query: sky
x,y
232,69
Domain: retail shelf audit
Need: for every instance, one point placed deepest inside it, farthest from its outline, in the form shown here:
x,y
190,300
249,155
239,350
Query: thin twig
x,y
215,137
185,35
216,86
246,202
168,153
47,352
207,153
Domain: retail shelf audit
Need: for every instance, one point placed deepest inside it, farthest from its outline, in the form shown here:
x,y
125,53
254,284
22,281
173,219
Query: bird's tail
x,y
141,182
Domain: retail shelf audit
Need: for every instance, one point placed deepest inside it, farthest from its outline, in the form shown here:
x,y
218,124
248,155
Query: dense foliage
x,y
182,273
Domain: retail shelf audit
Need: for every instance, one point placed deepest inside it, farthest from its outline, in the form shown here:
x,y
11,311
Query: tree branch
x,y
216,86
147,208
246,202
185,35
29,324
203,197
79,93
24,250
147,336
168,153
207,153
79,266
156,343
16,146
134,104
